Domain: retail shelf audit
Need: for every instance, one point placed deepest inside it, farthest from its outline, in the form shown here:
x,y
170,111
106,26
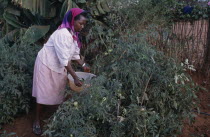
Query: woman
x,y
54,62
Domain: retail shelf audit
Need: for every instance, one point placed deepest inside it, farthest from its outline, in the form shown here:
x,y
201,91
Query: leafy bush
x,y
5,134
141,13
138,92
200,10
17,56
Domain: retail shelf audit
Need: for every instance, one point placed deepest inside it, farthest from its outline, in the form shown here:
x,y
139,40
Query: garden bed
x,y
23,125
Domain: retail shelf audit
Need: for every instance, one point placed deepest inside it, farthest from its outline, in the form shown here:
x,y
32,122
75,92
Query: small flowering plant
x,y
182,78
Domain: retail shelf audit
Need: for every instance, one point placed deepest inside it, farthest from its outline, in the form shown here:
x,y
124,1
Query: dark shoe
x,y
37,129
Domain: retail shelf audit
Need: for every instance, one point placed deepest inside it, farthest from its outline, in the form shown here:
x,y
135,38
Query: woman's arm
x,y
84,65
73,74
80,61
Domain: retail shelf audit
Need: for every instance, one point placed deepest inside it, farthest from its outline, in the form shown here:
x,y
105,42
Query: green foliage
x,y
16,68
23,23
15,80
24,13
45,8
34,33
5,134
81,114
136,93
140,13
200,11
11,19
19,14
3,5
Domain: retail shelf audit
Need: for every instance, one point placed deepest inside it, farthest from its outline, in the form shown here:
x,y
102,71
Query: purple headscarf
x,y
70,25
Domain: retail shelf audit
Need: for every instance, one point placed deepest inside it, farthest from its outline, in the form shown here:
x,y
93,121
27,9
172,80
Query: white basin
x,y
82,76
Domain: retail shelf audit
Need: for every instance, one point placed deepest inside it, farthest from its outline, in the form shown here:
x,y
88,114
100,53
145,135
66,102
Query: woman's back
x,y
59,49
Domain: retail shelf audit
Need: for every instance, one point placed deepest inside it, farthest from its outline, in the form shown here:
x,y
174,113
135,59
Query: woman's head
x,y
80,21
75,19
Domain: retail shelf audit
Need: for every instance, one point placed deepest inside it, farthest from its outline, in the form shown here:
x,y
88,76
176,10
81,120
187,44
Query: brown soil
x,y
22,126
201,126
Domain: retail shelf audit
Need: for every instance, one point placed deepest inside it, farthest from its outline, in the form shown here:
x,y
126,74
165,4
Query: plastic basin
x,y
82,76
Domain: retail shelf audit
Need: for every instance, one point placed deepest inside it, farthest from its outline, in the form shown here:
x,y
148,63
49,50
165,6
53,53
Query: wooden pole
x,y
206,64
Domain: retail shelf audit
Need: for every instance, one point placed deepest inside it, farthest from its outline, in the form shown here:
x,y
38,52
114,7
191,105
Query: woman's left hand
x,y
86,67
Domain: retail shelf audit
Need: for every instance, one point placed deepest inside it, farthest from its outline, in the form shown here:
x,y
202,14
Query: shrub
x,y
15,80
5,134
138,92
17,57
138,14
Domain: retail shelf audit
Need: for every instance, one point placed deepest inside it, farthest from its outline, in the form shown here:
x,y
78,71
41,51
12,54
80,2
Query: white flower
x,y
186,61
76,104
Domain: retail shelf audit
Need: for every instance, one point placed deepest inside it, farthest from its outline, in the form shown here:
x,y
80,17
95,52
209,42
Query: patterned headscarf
x,y
70,25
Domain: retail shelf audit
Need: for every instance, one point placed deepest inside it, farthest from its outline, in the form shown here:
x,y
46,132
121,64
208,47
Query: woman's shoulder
x,y
61,34
63,31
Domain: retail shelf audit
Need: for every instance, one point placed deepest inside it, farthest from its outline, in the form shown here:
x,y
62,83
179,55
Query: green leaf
x,y
42,7
10,37
13,11
63,8
81,1
34,33
12,20
3,4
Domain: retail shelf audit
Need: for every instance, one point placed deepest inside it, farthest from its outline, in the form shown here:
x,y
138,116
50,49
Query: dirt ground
x,y
201,126
22,126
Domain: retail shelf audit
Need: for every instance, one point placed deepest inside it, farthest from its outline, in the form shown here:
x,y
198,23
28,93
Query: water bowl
x,y
84,77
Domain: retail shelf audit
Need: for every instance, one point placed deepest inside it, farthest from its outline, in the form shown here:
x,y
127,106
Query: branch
x,y
145,89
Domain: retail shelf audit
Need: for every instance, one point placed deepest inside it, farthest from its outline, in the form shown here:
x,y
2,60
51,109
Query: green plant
x,y
138,14
138,91
23,13
24,26
5,134
16,14
199,11
135,94
17,56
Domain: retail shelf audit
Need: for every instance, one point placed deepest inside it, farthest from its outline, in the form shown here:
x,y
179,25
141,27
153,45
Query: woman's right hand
x,y
77,82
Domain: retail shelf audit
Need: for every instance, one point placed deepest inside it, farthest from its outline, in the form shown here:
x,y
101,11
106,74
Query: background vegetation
x,y
139,90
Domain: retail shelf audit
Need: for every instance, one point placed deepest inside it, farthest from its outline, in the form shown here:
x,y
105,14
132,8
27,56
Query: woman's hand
x,y
73,74
86,67
77,82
